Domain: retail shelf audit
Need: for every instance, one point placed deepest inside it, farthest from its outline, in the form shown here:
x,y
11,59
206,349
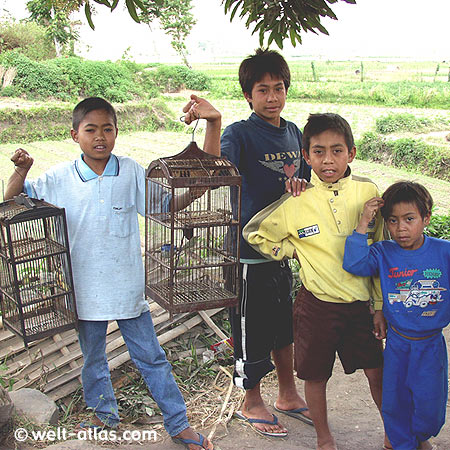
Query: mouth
x,y
100,147
328,172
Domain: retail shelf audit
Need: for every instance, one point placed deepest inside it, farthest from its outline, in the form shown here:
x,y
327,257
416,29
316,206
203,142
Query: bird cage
x,y
36,286
191,231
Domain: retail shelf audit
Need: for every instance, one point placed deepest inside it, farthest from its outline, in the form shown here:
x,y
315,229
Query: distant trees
x,y
54,16
29,38
275,19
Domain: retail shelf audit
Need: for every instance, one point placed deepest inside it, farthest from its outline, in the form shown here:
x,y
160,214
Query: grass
x,y
145,147
327,70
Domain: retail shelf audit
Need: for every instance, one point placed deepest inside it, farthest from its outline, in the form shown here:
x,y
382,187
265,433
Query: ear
x,y
306,156
248,97
117,131
74,135
352,154
426,219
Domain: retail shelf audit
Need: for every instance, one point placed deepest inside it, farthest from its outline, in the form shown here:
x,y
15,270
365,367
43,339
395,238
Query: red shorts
x,y
322,328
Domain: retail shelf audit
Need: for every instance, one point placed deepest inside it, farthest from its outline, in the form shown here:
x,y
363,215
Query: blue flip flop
x,y
296,413
252,422
186,442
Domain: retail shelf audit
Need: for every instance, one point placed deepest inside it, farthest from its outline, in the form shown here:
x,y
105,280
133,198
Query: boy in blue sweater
x,y
267,151
414,272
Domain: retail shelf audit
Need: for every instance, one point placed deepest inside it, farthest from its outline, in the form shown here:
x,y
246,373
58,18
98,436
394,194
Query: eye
x,y
108,130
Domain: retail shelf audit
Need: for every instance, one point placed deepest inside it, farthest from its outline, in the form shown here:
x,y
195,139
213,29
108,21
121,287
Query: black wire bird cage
x,y
36,286
191,231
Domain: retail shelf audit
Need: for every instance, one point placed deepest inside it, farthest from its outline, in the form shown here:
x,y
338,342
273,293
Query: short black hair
x,y
264,61
407,192
318,123
91,104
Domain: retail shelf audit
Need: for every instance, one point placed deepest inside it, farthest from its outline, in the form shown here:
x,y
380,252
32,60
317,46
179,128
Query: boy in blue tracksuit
x,y
414,272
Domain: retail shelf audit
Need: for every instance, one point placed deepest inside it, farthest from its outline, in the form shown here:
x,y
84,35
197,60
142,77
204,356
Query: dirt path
x,y
352,415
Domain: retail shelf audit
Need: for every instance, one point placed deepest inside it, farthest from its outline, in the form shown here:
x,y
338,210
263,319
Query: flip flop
x,y
252,422
186,442
296,413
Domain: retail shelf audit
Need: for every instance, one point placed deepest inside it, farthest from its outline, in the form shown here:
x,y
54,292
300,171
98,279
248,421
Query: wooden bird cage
x,y
192,252
36,286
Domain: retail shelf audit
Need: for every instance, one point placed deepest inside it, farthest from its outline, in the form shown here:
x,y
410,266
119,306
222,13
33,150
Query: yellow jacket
x,y
316,225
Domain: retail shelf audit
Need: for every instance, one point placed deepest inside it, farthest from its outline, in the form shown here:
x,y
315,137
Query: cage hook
x,y
195,126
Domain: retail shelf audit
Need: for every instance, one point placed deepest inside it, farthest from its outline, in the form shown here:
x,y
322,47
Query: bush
x,y
37,79
439,227
175,78
146,81
408,122
28,38
412,154
408,153
98,78
9,91
373,147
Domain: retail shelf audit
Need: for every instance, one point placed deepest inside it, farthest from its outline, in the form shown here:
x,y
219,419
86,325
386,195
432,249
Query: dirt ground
x,y
352,415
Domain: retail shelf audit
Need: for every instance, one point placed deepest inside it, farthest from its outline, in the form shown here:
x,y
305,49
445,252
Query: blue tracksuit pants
x,y
415,389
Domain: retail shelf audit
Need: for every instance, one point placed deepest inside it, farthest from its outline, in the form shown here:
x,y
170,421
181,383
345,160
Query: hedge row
x,y
67,79
53,122
412,154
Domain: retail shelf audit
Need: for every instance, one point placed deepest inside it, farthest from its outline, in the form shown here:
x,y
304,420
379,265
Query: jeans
x,y
150,359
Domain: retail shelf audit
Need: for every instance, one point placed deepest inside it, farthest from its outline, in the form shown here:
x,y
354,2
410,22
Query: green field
x,y
389,87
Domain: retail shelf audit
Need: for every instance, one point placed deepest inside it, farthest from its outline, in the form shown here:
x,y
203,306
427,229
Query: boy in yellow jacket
x,y
331,312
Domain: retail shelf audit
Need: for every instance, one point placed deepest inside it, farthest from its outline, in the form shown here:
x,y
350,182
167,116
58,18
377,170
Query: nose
x,y
328,158
271,96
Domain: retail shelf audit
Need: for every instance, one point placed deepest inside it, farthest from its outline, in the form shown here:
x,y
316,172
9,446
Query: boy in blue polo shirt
x,y
102,194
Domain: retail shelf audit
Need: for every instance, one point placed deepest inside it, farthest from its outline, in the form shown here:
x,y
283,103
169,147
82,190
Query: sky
x,y
413,29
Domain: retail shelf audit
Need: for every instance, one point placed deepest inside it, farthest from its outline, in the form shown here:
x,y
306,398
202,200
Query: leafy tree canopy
x,y
275,19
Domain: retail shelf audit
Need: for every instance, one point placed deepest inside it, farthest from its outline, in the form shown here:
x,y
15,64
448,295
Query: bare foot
x,y
189,433
426,445
387,443
261,412
330,445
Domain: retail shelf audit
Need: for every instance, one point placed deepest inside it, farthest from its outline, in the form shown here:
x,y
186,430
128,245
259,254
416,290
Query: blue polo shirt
x,y
102,222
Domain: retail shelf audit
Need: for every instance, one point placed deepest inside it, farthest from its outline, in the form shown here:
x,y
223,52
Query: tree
x,y
54,16
277,19
28,38
176,20
282,19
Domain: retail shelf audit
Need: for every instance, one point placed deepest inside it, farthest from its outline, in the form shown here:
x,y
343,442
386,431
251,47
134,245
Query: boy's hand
x,y
379,325
371,208
21,158
295,186
199,108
